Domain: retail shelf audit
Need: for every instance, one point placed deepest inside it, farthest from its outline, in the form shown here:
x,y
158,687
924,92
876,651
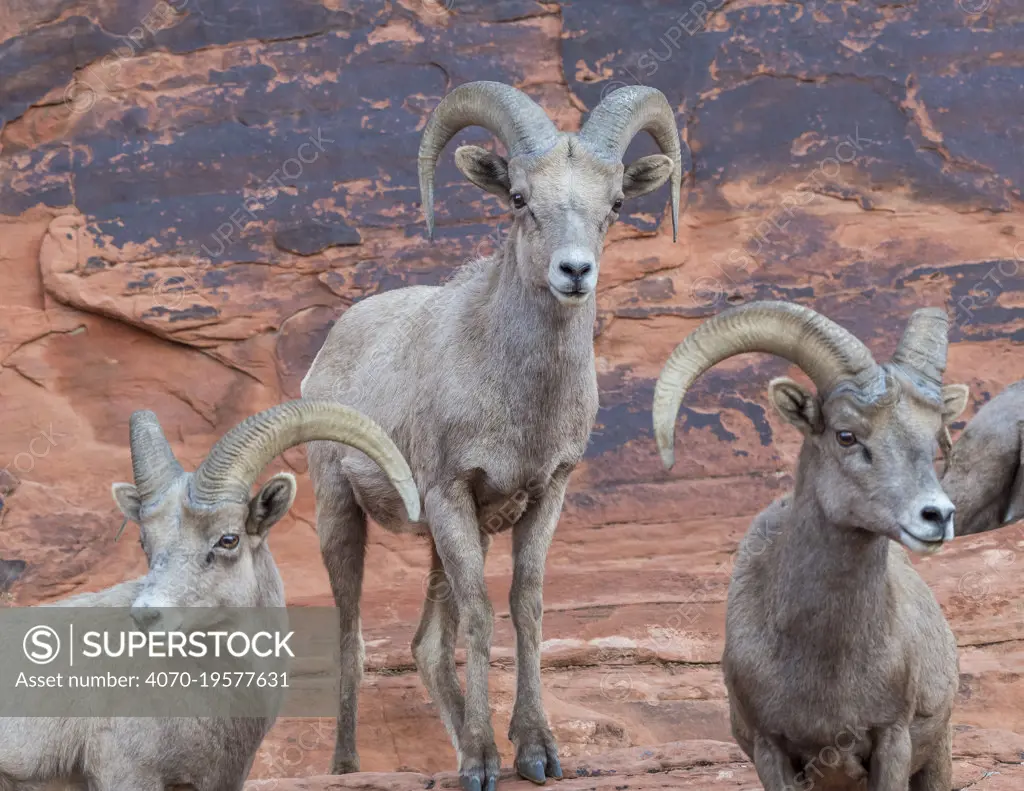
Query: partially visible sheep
x,y
984,476
839,663
206,543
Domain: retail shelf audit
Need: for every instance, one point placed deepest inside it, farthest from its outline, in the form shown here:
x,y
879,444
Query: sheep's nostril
x,y
936,515
575,269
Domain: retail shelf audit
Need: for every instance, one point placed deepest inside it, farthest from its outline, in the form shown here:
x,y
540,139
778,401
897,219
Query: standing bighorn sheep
x,y
984,476
488,386
838,661
206,545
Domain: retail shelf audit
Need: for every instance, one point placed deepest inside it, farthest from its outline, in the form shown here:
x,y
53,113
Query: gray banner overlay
x,y
187,662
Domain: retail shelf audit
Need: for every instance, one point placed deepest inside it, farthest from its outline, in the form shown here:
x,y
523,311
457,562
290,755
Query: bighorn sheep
x,y
838,661
984,476
205,542
488,386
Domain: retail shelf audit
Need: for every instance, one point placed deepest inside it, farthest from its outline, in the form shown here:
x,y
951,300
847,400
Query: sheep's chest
x,y
824,704
807,687
539,437
507,477
505,436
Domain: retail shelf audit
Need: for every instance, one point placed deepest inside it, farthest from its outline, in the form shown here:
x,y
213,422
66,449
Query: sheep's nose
x,y
575,269
145,617
938,515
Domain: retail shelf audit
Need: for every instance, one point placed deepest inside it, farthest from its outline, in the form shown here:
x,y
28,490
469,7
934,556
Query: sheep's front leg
x,y
774,769
937,773
536,751
890,759
451,514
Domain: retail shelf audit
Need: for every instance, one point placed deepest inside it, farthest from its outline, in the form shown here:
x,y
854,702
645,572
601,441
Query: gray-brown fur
x,y
488,386
199,554
985,473
840,667
830,630
148,754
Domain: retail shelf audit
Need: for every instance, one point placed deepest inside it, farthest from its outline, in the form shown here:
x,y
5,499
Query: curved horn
x,y
234,463
506,112
622,115
922,349
826,352
153,464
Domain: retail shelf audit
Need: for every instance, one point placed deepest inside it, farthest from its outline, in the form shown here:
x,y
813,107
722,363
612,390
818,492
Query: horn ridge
x,y
228,473
826,352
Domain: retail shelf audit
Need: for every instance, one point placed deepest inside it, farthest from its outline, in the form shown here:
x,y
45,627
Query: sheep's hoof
x,y
533,771
472,783
479,763
536,754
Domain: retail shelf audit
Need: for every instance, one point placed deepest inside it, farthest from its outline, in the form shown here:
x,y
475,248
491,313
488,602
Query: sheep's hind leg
x,y
451,514
341,526
536,750
937,773
434,649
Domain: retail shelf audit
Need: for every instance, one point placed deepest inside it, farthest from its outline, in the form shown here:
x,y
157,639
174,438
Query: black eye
x,y
846,438
617,206
229,541
518,200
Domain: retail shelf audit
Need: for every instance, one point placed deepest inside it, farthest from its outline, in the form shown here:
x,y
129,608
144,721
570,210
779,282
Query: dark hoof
x,y
554,768
470,783
532,771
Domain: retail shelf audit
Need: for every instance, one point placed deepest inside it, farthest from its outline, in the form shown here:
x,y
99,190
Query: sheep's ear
x,y
488,171
271,503
796,405
1015,510
127,498
954,402
645,174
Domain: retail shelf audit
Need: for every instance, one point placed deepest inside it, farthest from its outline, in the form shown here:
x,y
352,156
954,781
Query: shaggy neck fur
x,y
840,574
537,338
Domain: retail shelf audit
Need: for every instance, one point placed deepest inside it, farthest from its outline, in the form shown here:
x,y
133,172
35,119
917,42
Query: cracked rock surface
x,y
189,199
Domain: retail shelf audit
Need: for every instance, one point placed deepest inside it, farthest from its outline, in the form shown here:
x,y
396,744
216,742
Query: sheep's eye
x,y
846,438
229,541
518,200
617,206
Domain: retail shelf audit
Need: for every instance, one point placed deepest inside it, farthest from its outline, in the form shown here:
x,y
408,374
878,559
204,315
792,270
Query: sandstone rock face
x,y
191,192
